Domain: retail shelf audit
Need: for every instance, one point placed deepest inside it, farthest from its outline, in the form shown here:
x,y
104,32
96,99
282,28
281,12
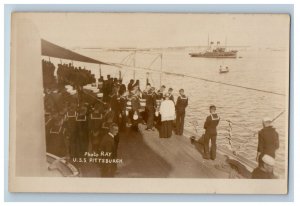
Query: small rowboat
x,y
223,70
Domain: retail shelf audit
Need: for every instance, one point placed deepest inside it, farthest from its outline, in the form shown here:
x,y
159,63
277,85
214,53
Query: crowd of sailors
x,y
89,122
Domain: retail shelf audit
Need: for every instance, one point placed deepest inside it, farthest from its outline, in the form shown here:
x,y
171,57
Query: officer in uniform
x,y
108,116
108,145
150,108
210,127
181,104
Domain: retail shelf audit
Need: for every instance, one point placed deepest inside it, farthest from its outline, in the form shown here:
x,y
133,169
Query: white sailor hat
x,y
267,119
268,160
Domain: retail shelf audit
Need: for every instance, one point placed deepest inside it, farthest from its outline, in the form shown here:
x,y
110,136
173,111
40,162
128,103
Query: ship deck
x,y
145,155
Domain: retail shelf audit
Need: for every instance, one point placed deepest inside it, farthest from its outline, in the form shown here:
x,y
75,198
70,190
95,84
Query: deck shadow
x,y
199,145
139,160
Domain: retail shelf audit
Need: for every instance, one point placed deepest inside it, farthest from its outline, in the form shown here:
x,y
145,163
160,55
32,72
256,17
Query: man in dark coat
x,y
160,92
181,104
268,140
107,145
144,96
210,127
150,108
105,90
100,84
115,106
135,106
122,88
159,98
110,88
130,85
122,106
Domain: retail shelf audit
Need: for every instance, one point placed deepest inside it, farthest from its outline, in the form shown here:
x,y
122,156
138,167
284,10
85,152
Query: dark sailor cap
x,y
212,107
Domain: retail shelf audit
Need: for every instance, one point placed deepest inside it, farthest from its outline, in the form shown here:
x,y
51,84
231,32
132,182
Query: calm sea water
x,y
261,69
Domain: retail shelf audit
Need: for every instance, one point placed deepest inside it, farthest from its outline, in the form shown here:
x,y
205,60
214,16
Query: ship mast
x,y
208,40
208,44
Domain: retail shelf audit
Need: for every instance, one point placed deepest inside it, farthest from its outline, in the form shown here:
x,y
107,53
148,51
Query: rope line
x,y
230,124
239,125
233,85
243,127
201,78
230,138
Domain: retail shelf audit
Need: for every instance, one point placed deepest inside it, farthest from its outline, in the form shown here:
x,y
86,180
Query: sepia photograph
x,y
149,102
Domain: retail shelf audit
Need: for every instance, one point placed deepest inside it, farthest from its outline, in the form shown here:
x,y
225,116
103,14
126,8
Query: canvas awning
x,y
53,50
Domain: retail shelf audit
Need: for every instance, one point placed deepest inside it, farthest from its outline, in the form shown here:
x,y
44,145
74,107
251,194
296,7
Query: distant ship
x,y
217,52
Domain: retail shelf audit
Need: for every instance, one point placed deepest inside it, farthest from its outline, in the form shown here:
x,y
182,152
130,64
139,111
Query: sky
x,y
114,30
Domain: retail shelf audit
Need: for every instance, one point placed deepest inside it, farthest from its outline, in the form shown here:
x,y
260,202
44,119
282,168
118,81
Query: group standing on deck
x,y
91,123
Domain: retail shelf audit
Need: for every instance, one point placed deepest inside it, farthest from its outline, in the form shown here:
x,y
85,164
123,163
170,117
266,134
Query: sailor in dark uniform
x,y
130,85
70,124
115,81
82,130
181,104
110,86
108,116
105,90
100,84
160,93
122,87
54,143
150,108
137,84
115,106
144,96
95,126
122,106
210,127
170,94
265,170
268,140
